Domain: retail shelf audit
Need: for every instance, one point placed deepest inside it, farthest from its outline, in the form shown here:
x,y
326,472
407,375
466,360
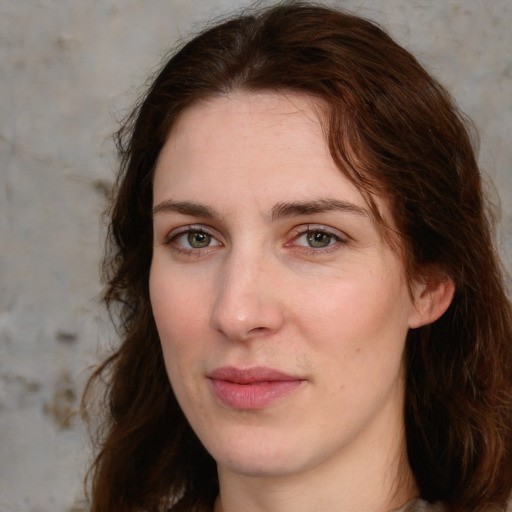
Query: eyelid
x,y
295,233
307,228
182,230
299,231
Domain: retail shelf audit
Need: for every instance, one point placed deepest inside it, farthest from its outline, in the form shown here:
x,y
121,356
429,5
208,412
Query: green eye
x,y
192,240
319,239
198,239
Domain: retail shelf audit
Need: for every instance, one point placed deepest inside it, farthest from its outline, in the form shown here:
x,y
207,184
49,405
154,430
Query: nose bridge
x,y
246,303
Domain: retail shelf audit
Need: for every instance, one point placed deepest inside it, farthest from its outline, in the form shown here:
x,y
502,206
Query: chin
x,y
260,458
257,465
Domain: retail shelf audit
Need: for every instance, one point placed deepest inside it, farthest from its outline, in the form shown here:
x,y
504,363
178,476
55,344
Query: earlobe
x,y
432,297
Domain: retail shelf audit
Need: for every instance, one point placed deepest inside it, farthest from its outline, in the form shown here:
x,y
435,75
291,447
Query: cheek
x,y
176,311
359,330
362,305
178,329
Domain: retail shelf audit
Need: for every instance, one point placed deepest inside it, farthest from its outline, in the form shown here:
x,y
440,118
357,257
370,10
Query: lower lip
x,y
255,395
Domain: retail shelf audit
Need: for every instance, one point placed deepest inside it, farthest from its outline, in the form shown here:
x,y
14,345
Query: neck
x,y
362,479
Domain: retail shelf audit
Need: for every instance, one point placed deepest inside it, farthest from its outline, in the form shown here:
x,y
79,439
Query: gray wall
x,y
69,69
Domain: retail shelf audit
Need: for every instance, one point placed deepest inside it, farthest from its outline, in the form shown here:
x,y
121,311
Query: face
x,y
281,311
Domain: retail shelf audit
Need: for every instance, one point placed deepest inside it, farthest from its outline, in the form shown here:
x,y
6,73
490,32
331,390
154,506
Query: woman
x,y
311,309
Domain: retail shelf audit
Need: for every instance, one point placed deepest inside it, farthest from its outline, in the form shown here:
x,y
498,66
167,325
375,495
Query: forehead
x,y
246,146
279,127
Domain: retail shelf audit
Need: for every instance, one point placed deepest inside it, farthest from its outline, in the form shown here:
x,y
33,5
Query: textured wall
x,y
68,69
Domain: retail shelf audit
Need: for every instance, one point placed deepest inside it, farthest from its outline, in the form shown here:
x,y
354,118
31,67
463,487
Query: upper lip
x,y
250,375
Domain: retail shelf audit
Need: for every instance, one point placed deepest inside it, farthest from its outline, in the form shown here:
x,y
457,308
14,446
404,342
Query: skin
x,y
236,282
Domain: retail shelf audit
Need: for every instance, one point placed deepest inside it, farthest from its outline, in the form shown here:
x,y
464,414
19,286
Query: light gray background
x,y
69,68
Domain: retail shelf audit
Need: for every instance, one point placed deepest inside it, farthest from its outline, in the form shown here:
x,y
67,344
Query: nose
x,y
247,303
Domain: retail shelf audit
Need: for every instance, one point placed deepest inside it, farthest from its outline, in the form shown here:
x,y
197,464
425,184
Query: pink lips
x,y
252,388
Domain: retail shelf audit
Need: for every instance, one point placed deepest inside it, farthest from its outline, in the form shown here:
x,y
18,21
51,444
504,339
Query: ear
x,y
432,294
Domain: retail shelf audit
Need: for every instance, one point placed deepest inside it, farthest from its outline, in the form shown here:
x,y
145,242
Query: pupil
x,y
198,239
319,239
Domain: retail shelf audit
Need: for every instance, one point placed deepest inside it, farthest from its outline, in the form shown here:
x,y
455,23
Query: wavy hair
x,y
396,133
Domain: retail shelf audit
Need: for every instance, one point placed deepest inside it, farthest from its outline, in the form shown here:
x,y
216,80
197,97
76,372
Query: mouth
x,y
251,388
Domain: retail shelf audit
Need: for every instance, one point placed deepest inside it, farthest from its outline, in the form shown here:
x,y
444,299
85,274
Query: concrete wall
x,y
69,68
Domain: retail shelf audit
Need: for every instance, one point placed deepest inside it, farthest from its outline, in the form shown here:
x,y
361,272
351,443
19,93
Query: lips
x,y
251,388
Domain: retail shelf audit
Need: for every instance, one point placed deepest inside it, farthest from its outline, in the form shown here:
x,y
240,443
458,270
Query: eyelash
x,y
335,238
171,240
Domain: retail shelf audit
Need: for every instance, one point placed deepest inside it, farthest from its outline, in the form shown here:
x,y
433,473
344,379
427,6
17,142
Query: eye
x,y
192,239
319,239
198,239
316,239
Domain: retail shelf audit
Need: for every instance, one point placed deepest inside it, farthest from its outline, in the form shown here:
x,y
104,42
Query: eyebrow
x,y
279,211
296,208
185,208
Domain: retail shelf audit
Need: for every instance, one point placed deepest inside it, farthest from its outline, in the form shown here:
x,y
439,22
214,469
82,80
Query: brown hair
x,y
395,132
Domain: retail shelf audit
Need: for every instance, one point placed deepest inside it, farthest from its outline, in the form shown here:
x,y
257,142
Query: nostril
x,y
260,330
